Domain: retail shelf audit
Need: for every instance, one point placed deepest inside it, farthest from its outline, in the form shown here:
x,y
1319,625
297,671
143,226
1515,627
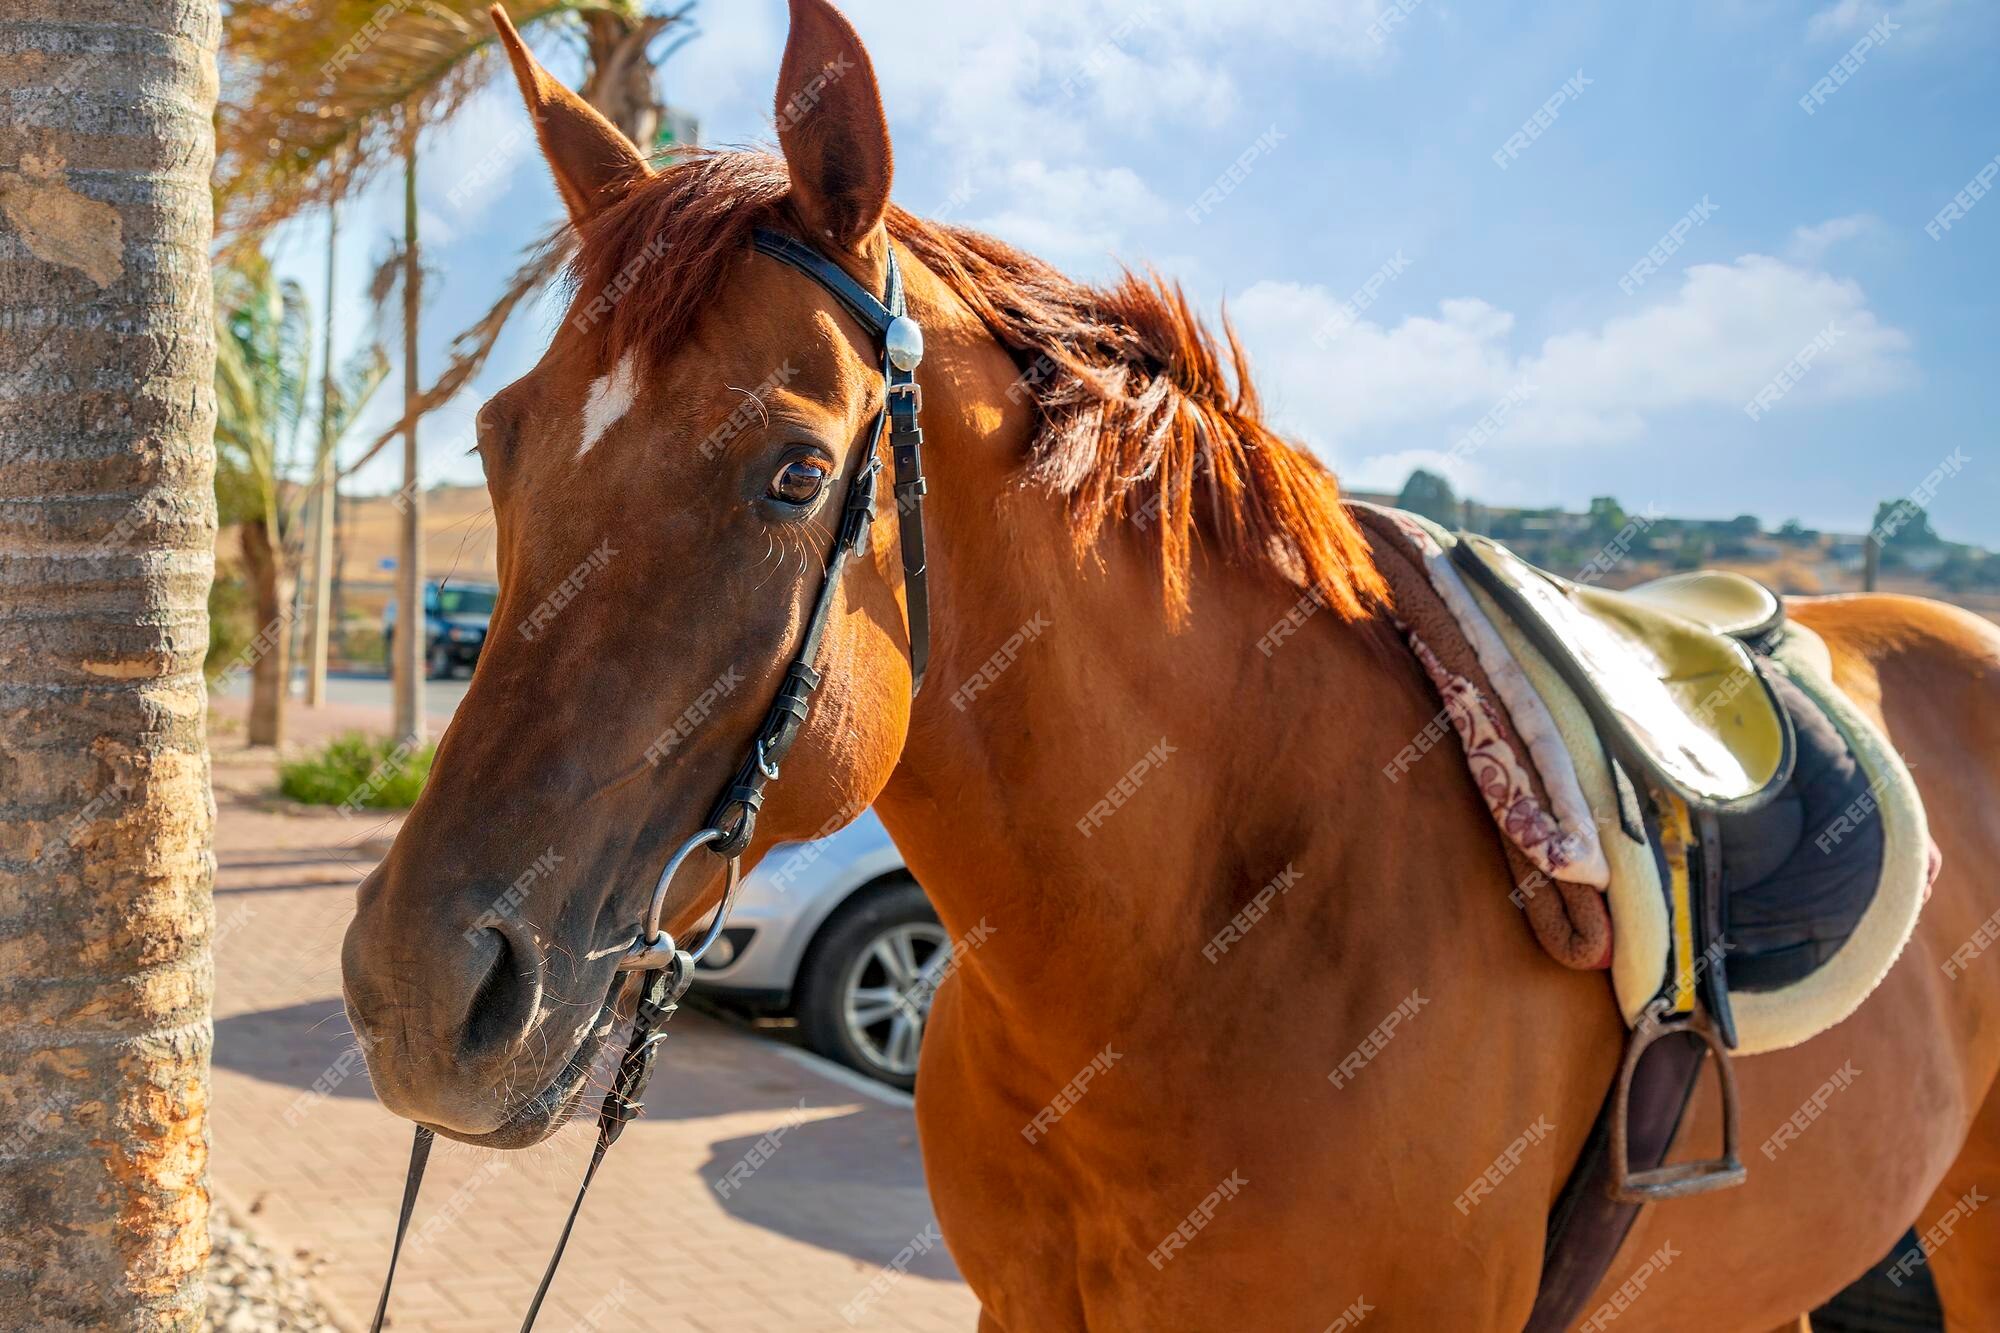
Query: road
x,y
368,689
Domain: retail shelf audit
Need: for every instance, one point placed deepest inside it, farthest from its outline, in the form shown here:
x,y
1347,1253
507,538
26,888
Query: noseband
x,y
732,820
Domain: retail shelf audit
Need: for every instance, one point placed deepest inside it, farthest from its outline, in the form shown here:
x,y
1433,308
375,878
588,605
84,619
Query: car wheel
x,y
865,989
440,661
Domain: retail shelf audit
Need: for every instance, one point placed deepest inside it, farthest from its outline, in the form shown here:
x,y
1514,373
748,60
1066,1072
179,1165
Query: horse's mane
x,y
1140,420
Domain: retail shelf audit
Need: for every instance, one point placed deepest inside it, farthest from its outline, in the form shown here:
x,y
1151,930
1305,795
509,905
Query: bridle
x,y
667,968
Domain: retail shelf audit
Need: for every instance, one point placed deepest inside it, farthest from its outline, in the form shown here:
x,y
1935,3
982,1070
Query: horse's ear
x,y
831,126
593,162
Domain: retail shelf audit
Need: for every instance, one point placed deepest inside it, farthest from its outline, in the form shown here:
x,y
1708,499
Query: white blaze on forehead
x,y
611,397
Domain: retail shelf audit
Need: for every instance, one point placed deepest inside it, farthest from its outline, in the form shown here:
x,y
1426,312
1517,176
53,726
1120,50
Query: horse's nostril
x,y
504,1005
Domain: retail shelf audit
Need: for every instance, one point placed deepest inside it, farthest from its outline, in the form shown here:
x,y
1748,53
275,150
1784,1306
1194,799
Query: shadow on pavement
x,y
305,1046
847,1183
850,1182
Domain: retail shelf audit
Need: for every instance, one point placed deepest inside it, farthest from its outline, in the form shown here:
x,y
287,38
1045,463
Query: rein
x,y
727,830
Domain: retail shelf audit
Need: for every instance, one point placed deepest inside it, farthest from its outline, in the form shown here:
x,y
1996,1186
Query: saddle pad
x,y
1546,832
1771,1020
1799,871
1635,890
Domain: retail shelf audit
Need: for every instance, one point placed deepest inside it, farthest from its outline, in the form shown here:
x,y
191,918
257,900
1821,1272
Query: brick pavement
x,y
317,1173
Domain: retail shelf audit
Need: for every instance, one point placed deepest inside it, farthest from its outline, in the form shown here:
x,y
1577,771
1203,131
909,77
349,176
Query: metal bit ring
x,y
655,948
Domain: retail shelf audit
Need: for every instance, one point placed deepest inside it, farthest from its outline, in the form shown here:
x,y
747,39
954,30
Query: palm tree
x,y
621,58
320,95
106,362
315,92
262,373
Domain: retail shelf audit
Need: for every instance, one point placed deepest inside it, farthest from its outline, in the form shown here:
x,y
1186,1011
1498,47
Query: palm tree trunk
x,y
410,620
324,477
107,521
343,520
271,588
619,78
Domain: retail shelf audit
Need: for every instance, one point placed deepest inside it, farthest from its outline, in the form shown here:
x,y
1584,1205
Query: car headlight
x,y
465,635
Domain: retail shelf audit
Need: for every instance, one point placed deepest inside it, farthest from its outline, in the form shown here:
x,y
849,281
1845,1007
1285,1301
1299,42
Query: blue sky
x,y
1279,156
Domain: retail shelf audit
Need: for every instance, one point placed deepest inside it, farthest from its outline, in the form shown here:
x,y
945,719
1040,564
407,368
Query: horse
x,y
1121,1126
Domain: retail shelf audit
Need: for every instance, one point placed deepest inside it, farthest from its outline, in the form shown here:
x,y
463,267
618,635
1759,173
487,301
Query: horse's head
x,y
666,485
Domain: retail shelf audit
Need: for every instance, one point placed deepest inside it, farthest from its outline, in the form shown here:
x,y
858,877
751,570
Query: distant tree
x,y
1693,552
347,87
1431,495
1607,517
1904,524
1791,530
1746,525
1965,568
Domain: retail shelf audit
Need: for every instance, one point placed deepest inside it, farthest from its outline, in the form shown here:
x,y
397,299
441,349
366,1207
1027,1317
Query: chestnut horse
x,y
1121,1129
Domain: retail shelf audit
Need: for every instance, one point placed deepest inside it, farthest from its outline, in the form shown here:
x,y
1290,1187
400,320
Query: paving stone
x,y
320,1176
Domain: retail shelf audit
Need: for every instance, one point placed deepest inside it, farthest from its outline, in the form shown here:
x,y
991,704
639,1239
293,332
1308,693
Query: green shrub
x,y
358,772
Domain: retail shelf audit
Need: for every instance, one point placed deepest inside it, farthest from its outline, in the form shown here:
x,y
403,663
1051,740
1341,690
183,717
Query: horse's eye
x,y
799,482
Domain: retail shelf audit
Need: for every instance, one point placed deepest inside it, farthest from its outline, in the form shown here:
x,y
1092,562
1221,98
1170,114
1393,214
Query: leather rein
x,y
732,821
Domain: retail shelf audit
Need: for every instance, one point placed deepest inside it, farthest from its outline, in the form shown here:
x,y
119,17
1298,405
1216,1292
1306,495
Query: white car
x,y
836,933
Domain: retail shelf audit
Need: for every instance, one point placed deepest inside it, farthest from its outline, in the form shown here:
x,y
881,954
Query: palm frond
x,y
262,365
356,384
470,349
316,93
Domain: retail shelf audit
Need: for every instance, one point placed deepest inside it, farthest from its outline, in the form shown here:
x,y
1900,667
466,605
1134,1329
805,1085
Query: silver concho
x,y
905,342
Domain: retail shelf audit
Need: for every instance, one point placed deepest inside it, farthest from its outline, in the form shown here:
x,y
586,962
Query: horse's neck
x,y
1081,782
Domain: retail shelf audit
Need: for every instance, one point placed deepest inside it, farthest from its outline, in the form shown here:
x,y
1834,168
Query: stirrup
x,y
1676,1180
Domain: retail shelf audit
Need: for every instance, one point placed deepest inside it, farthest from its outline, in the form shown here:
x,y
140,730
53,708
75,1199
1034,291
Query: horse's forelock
x,y
646,267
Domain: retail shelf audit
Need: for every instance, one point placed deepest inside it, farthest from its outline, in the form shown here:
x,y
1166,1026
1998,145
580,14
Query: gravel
x,y
251,1289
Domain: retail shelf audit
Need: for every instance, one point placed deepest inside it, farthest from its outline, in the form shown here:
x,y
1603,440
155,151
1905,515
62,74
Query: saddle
x,y
1660,669
1722,830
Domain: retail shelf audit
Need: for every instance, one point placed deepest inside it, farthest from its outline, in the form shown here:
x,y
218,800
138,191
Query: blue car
x,y
456,618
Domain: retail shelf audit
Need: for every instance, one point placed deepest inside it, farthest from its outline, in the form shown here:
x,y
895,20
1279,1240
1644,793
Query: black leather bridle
x,y
732,821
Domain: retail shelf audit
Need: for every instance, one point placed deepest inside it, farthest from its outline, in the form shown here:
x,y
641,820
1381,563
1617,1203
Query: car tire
x,y
883,943
440,661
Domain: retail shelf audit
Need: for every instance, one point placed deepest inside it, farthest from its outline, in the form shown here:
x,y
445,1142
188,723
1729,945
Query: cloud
x,y
1847,19
1810,245
1388,471
1074,214
1058,73
1723,335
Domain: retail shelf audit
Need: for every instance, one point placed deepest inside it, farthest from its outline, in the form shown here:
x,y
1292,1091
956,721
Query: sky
x,y
1702,255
